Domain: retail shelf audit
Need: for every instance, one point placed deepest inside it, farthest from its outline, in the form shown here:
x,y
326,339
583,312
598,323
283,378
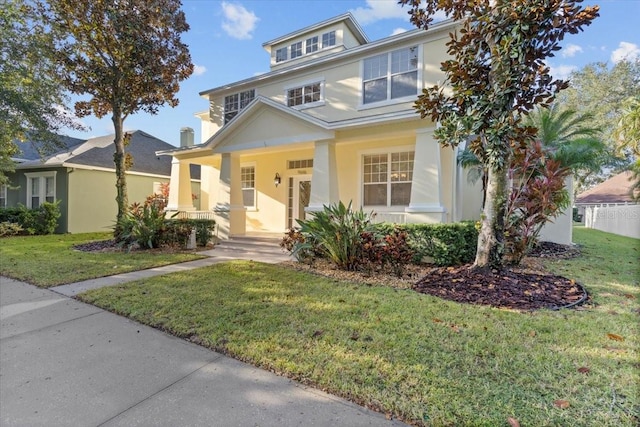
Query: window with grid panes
x,y
328,39
304,94
387,178
281,54
248,183
391,75
311,45
234,103
40,188
296,50
3,196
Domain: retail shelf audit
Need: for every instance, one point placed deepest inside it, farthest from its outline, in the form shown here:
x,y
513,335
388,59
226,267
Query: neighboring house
x,y
609,206
81,176
332,120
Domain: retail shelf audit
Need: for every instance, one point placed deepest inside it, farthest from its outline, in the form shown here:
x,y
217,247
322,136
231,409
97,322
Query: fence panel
x,y
618,219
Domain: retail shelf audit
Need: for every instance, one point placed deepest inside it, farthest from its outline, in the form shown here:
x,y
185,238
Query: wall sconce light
x,y
277,180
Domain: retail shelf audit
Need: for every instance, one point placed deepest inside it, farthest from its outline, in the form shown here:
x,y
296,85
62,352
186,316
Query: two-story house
x,y
332,120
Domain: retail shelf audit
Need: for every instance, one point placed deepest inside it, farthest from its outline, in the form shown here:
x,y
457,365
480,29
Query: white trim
x,y
254,207
42,186
360,192
3,195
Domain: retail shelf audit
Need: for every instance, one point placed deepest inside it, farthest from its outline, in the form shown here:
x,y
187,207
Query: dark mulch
x,y
555,250
506,289
98,246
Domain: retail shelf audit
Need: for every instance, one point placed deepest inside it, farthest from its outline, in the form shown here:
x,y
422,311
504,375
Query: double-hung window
x,y
296,50
390,75
281,55
328,39
234,103
40,188
387,178
306,94
248,184
311,45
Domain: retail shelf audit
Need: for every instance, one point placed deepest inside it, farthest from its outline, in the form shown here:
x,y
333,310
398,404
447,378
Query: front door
x,y
301,186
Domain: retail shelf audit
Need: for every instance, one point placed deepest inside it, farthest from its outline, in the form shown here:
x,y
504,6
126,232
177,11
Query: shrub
x,y
41,220
335,233
10,229
390,250
204,230
445,244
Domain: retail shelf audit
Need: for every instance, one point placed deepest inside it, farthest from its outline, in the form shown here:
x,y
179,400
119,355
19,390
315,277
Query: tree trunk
x,y
491,238
121,179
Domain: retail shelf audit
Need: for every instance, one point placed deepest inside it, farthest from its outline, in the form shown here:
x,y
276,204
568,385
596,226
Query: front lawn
x,y
416,357
51,260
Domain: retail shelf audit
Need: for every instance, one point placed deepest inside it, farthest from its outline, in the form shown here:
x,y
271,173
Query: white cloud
x,y
379,9
570,50
625,50
238,22
398,31
562,71
199,70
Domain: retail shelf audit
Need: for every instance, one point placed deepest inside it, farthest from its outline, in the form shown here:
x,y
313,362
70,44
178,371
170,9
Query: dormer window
x,y
312,44
328,39
281,54
296,50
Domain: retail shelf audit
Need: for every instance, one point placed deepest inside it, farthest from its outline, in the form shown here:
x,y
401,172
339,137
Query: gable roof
x,y
98,153
613,190
31,150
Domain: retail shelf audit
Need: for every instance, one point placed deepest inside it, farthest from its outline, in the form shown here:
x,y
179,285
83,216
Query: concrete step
x,y
254,245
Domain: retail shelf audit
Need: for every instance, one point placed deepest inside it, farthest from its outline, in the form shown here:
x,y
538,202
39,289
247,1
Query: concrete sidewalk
x,y
66,363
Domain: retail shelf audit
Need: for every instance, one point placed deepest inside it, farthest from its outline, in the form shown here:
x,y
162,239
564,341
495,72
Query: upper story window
x,y
328,39
387,179
41,187
390,75
306,94
234,103
311,44
281,54
296,50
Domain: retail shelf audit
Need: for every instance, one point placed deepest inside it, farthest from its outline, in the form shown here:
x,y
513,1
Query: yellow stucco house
x,y
332,120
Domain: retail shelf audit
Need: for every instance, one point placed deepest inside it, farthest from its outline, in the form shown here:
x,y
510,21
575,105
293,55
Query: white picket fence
x,y
618,219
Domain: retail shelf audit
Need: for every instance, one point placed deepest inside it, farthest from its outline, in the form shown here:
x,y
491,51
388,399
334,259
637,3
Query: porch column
x,y
324,181
180,187
229,209
426,188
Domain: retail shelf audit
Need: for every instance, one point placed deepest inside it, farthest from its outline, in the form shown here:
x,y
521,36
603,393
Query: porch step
x,y
243,246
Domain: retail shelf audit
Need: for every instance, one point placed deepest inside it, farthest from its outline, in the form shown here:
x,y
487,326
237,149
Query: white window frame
x,y
388,207
389,77
330,36
303,86
282,54
297,49
312,44
3,195
241,101
42,187
242,181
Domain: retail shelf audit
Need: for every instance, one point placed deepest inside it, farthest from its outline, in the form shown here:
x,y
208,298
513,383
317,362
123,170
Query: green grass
x,y
417,357
50,260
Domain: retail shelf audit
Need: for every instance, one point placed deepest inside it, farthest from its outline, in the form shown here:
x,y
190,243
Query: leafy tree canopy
x,y
31,97
127,55
496,73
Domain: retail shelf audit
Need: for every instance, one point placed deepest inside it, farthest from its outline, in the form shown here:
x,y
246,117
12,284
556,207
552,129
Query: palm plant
x,y
569,138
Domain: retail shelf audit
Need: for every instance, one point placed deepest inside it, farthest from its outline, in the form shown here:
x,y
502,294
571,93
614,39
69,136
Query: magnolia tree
x,y
126,55
496,75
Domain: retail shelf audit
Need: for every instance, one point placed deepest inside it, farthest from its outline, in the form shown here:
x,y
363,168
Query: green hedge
x,y
42,220
444,244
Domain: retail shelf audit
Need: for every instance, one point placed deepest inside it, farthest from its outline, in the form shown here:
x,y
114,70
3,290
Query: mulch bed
x,y
505,289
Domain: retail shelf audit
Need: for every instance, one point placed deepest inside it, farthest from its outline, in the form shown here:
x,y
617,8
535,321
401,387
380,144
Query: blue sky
x,y
225,41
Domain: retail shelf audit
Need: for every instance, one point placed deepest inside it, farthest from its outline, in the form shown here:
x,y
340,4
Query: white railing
x,y
618,219
195,215
393,217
